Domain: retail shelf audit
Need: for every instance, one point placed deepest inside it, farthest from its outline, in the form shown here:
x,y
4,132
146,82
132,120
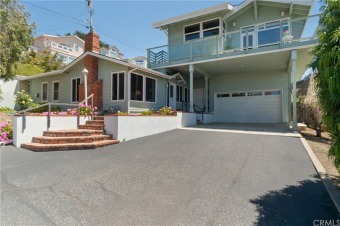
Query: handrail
x,y
202,110
49,104
91,96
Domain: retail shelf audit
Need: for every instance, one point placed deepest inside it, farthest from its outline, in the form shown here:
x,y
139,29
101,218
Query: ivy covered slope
x,y
327,63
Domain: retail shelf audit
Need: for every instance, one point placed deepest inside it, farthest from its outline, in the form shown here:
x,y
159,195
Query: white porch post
x,y
293,59
191,70
85,73
206,93
128,91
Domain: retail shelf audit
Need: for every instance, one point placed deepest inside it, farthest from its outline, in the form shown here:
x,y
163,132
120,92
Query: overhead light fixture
x,y
282,13
234,23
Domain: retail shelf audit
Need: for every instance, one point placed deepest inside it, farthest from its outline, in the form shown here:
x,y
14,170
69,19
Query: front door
x,y
172,95
250,33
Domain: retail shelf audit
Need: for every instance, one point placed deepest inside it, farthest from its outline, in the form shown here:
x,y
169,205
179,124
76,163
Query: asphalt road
x,y
179,177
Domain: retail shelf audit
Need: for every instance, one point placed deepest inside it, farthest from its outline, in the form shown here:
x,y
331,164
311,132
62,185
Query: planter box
x,y
124,128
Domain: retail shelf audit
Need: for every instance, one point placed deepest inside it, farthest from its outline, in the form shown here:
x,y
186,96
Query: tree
x,y
81,35
15,35
327,64
35,63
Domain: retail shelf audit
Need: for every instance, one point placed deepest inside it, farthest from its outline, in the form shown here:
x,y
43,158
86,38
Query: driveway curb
x,y
332,190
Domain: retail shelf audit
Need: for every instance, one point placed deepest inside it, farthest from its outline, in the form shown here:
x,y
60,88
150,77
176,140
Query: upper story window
x,y
76,48
211,27
202,29
192,32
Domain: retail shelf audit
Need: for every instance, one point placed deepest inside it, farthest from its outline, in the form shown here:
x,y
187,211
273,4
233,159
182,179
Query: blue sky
x,y
126,24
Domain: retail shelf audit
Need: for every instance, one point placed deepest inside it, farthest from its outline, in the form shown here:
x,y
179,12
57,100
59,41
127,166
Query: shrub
x,y
38,110
312,108
6,110
147,112
23,99
165,111
6,131
121,113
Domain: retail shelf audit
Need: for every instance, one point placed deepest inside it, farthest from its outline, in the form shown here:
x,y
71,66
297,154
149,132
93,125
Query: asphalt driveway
x,y
179,177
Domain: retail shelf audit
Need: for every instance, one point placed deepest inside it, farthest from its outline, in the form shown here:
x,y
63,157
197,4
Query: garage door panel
x,y
251,109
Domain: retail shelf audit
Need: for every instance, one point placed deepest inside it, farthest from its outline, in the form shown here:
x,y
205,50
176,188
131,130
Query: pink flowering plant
x,y
6,132
87,110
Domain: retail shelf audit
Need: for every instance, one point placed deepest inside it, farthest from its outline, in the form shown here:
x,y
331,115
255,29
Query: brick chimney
x,y
94,85
92,42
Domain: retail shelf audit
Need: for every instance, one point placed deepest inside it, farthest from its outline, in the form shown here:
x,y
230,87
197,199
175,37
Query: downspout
x,y
129,89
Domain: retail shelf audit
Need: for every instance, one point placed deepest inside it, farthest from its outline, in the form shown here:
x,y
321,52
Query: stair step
x,y
94,127
73,133
69,146
73,139
95,122
98,117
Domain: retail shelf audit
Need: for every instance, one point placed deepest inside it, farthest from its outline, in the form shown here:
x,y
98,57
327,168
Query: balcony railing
x,y
255,36
58,46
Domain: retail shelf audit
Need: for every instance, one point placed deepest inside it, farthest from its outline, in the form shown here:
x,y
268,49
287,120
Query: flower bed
x,y
6,131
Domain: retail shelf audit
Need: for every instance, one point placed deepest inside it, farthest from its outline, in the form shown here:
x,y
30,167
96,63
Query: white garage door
x,y
249,106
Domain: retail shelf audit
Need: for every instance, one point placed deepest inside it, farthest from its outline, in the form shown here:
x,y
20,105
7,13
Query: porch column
x,y
128,85
191,70
206,93
293,59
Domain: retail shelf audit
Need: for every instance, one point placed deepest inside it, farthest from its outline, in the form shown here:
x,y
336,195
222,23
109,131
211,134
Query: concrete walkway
x,y
247,128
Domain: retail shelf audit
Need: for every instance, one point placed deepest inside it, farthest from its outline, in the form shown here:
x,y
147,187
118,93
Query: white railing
x,y
254,36
58,46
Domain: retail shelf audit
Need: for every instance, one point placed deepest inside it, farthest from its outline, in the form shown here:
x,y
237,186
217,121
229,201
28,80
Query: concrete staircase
x,y
88,136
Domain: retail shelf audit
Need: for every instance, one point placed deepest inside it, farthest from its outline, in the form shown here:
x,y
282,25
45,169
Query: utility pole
x,y
89,6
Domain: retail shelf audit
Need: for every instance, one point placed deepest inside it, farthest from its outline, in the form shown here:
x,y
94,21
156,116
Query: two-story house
x,y
239,61
111,51
68,48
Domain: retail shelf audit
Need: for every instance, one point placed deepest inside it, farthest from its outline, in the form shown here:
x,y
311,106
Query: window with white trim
x,y
136,87
44,90
117,86
74,89
150,89
143,88
192,32
211,27
202,29
55,91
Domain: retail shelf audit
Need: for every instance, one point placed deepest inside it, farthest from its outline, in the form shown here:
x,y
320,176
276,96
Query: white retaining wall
x,y
124,128
36,125
207,117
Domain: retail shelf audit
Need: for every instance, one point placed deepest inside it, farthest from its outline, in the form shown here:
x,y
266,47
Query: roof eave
x,y
214,9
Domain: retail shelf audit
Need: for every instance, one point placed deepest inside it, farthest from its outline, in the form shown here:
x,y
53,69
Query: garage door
x,y
249,106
